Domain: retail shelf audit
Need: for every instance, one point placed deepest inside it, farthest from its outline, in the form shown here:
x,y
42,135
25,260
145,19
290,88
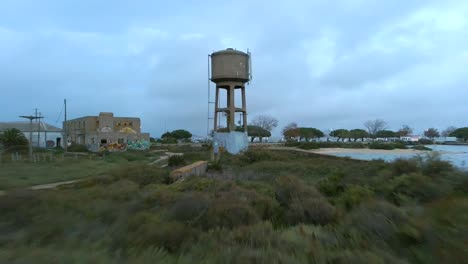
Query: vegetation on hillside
x,y
262,207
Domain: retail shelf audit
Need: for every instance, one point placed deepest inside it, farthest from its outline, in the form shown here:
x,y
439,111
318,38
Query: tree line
x,y
261,126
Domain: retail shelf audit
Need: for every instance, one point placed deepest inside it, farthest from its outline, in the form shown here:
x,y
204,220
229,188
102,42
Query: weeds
x,y
304,208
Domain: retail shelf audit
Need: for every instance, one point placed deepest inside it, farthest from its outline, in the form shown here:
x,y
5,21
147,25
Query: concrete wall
x,y
195,169
44,137
234,142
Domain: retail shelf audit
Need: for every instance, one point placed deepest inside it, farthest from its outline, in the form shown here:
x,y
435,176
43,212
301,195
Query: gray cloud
x,y
326,64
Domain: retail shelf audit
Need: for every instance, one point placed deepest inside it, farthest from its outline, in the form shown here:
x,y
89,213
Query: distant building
x,y
96,131
49,135
445,139
412,138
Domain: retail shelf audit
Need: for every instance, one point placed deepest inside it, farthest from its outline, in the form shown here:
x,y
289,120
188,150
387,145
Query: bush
x,y
228,214
421,147
416,187
77,148
189,208
402,166
425,141
251,156
354,195
176,160
288,189
143,174
310,211
309,145
145,230
378,220
399,145
215,166
432,165
332,185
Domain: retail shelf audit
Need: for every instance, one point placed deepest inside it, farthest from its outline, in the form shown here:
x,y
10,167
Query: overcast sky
x,y
324,64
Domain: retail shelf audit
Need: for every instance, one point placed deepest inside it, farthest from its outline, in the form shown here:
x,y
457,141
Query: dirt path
x,y
166,156
47,185
57,184
53,185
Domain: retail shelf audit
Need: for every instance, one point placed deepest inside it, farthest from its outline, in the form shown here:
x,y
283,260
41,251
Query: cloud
x,y
326,64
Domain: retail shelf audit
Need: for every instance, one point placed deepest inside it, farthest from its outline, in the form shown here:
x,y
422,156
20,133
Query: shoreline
x,y
332,151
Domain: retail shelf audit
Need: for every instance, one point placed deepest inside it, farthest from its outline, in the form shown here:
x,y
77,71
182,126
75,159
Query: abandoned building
x,y
96,131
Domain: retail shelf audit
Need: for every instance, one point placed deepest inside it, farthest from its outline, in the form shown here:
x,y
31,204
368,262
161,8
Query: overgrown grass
x,y
282,207
23,174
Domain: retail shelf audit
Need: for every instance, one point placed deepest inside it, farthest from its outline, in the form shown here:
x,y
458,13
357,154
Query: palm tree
x,y
13,137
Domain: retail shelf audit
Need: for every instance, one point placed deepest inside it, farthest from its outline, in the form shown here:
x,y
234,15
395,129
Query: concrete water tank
x,y
230,65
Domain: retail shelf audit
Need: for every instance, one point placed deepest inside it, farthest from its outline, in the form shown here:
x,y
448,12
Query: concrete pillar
x,y
244,109
216,109
232,109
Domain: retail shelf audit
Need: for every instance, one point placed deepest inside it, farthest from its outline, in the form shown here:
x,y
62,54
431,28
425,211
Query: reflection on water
x,y
457,155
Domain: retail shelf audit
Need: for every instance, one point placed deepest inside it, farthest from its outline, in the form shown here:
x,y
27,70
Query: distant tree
x,y
256,131
340,134
288,128
13,137
432,133
181,134
152,140
166,135
292,133
449,130
358,134
374,126
265,121
405,131
308,133
386,134
460,133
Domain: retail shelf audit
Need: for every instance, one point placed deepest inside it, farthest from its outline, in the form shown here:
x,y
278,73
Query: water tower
x,y
230,71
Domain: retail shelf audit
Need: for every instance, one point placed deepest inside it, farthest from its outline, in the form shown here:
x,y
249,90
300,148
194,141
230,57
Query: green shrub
x,y
176,160
403,166
332,185
421,147
376,220
378,145
228,214
189,208
354,195
251,156
399,145
77,148
433,165
215,166
416,187
425,141
143,174
145,230
310,211
289,188
309,145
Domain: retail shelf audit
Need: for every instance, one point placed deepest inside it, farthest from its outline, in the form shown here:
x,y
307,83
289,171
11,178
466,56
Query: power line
x,y
58,117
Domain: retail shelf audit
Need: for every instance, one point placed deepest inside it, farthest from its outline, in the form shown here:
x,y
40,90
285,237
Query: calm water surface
x,y
458,155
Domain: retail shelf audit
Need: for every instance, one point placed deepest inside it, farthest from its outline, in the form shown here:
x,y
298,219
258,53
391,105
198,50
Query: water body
x,y
457,155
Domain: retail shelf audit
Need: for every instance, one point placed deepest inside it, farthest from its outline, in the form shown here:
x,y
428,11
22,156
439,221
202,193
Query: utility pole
x,y
38,117
65,127
31,118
